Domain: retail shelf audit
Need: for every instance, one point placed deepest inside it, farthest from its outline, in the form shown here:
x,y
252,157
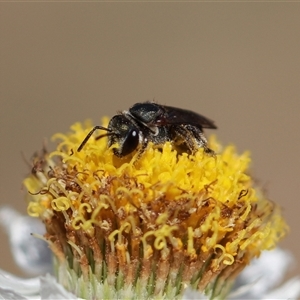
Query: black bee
x,y
150,122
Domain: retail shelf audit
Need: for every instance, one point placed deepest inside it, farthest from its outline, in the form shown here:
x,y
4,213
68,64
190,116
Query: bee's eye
x,y
131,142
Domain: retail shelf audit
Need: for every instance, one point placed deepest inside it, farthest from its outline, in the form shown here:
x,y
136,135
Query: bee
x,y
151,122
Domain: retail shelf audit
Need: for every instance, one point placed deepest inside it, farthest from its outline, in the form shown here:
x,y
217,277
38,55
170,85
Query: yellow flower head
x,y
148,227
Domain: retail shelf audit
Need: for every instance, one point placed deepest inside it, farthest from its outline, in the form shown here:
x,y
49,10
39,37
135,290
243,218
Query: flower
x,y
149,227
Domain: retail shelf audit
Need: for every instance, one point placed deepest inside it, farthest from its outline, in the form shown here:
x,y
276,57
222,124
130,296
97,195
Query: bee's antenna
x,y
89,135
103,135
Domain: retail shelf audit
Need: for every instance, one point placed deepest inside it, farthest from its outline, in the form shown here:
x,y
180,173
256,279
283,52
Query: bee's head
x,y
121,131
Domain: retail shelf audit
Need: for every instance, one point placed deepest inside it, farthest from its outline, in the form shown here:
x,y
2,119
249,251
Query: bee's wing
x,y
174,115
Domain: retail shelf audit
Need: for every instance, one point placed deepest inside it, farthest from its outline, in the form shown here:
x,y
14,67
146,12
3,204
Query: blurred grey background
x,y
236,63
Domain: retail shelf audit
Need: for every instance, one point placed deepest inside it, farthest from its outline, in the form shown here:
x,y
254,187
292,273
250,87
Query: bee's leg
x,y
180,135
201,140
209,151
141,149
194,138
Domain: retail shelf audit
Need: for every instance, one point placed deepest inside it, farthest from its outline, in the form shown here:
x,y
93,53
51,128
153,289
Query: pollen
x,y
146,227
